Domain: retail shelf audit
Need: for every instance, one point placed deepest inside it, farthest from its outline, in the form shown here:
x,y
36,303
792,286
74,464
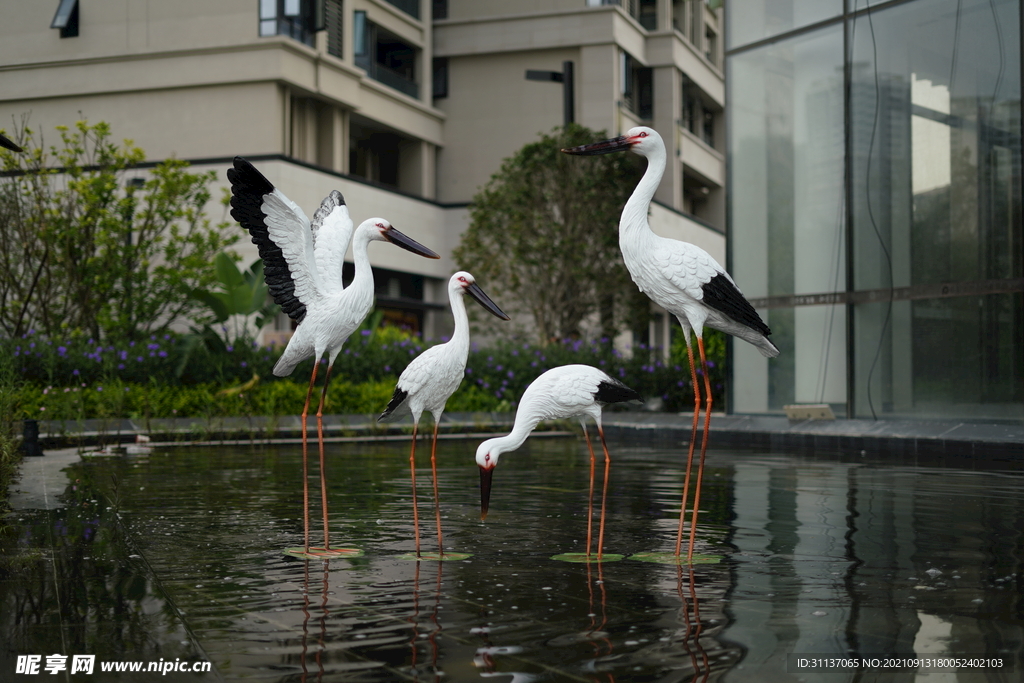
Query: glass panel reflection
x,y
935,110
787,214
758,19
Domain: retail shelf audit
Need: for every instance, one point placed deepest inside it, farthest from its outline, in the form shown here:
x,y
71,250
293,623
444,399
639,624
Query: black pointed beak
x,y
619,144
485,490
9,144
474,291
409,244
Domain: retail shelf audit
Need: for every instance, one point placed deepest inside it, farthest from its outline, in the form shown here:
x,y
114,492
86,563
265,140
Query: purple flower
x,y
387,368
120,366
61,350
162,354
711,363
230,349
244,364
138,359
511,374
469,371
124,355
75,373
365,333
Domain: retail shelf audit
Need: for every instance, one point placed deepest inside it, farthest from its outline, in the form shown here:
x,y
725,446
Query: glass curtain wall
x,y
935,123
905,122
787,232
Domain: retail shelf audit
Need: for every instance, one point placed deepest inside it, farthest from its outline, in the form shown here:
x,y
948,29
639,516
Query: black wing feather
x,y
396,400
614,391
248,187
723,296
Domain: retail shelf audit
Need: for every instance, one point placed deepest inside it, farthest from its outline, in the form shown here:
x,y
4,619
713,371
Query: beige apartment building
x,y
405,106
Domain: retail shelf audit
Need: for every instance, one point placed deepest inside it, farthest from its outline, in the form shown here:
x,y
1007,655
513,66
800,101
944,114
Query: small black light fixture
x,y
66,19
565,77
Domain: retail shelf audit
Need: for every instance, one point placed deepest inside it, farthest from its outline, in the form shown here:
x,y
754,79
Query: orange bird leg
x,y
320,440
305,461
604,494
693,441
437,499
703,447
412,471
590,499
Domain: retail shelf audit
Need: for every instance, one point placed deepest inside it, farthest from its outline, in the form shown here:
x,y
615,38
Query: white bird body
x,y
333,315
429,381
568,391
683,279
302,265
680,277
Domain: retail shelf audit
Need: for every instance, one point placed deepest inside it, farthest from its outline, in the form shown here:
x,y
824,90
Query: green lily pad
x,y
323,554
583,558
436,557
672,558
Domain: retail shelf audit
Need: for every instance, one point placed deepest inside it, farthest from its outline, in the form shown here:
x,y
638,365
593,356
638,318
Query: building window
x,y
410,7
440,77
711,45
707,131
334,25
644,11
66,19
292,18
439,9
637,87
384,56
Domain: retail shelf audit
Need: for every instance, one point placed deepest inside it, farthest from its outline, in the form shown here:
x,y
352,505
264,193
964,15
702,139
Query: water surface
x,y
175,556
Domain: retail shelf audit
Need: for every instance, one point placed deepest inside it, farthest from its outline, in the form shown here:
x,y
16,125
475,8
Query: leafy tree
x,y
238,296
543,237
87,251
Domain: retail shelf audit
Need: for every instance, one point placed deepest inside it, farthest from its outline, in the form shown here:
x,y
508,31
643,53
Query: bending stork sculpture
x,y
429,381
302,265
563,392
684,280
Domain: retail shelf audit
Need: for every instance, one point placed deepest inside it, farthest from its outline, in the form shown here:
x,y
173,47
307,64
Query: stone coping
x,y
986,440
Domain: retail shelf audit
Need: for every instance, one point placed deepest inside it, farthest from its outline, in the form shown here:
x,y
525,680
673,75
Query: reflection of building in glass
x,y
925,195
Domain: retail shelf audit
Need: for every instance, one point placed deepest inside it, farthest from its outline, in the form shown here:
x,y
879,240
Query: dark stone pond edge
x,y
942,440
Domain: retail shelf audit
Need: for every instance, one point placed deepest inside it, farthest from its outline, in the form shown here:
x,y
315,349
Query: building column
x,y
596,90
668,106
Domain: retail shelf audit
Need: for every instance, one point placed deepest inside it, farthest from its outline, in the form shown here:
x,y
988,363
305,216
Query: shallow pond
x,y
174,557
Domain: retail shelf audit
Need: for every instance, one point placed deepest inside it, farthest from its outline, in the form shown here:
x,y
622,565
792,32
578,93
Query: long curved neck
x,y
523,427
460,336
633,223
362,280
